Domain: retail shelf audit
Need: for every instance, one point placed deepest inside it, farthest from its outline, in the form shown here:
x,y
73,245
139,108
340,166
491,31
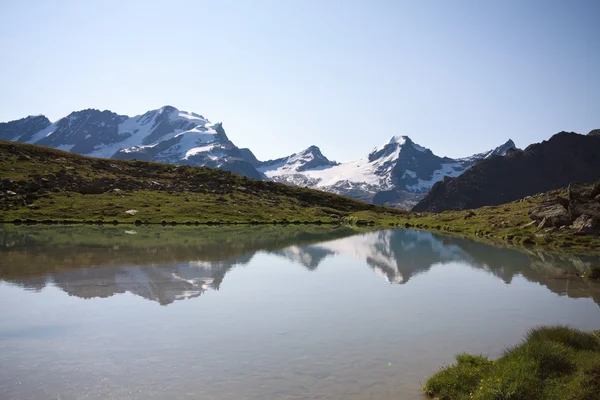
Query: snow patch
x,y
449,169
47,131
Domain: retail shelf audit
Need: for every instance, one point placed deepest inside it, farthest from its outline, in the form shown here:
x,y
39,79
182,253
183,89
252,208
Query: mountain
x,y
541,167
398,173
164,135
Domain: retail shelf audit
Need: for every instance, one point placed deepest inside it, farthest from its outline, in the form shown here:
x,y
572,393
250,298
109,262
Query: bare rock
x,y
586,225
551,212
545,223
579,192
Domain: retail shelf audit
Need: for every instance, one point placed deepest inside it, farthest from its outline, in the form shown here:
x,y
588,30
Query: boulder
x,y
579,192
552,212
584,200
591,209
586,225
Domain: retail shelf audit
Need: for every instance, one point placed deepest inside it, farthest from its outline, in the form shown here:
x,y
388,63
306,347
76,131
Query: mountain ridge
x,y
398,173
540,167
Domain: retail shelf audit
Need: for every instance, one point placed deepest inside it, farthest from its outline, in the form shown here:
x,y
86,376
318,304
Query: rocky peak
x,y
594,132
312,150
167,109
23,129
309,158
221,135
503,149
400,140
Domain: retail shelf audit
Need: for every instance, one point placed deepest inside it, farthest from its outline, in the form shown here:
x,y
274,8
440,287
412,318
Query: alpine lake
x,y
265,312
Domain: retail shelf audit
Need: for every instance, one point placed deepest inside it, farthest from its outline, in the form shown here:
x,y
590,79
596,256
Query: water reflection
x,y
169,264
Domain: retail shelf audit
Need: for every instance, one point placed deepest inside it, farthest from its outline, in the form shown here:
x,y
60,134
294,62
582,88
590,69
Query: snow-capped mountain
x,y
165,135
399,173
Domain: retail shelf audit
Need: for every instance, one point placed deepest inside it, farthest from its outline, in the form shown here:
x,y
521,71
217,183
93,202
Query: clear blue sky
x,y
458,77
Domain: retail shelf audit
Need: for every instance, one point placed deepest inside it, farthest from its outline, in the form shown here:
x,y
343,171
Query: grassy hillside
x,y
507,224
42,184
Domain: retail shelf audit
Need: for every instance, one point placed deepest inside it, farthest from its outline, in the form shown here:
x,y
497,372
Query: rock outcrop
x,y
580,212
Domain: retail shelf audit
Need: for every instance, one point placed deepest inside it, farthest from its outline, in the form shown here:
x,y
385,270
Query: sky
x,y
458,77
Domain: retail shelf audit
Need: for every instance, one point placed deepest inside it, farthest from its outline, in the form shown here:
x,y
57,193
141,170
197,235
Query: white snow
x,y
410,173
197,150
192,117
141,126
420,148
49,130
398,139
361,171
438,175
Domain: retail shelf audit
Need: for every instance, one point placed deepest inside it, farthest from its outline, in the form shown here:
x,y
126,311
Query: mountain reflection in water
x,y
170,264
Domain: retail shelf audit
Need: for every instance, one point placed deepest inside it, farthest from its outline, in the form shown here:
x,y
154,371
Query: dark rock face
x,y
250,157
541,167
84,130
23,129
594,132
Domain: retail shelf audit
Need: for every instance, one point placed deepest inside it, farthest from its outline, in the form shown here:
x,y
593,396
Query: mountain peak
x,y
169,109
502,149
400,140
312,150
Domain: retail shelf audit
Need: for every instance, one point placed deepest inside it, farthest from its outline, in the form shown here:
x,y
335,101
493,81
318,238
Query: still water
x,y
263,312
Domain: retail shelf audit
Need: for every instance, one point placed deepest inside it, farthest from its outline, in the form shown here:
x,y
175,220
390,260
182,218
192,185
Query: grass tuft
x,y
552,363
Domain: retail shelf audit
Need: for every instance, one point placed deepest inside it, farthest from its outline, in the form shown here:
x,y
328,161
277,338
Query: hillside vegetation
x,y
39,184
43,184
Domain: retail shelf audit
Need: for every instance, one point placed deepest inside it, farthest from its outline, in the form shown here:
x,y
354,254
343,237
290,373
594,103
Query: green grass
x,y
552,363
508,225
169,194
52,185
